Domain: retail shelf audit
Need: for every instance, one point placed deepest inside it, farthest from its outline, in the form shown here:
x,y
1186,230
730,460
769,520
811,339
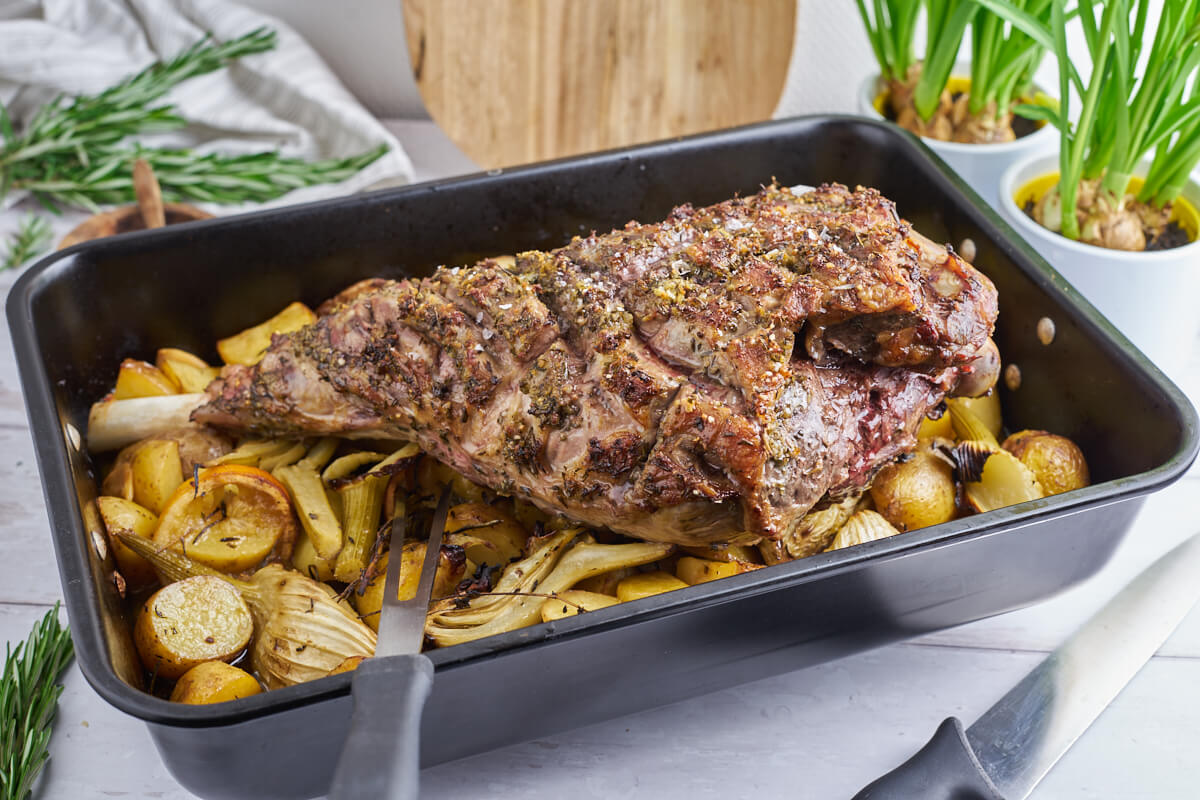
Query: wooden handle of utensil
x,y
944,769
381,756
149,195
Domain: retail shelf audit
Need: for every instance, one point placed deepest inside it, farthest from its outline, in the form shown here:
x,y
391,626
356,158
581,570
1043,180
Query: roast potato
x,y
156,473
1056,461
214,682
915,493
646,584
139,379
124,515
189,372
249,346
197,619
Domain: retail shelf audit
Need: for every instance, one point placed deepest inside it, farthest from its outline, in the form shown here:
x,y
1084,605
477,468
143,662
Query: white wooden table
x,y
817,733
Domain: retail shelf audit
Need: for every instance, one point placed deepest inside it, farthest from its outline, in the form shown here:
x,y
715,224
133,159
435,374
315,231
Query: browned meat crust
x,y
707,378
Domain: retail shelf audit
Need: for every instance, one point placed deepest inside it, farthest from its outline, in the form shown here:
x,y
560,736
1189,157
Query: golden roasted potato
x,y
249,346
740,553
120,515
915,493
156,473
189,372
1056,461
573,602
139,379
119,480
197,447
646,584
692,570
214,682
230,517
197,619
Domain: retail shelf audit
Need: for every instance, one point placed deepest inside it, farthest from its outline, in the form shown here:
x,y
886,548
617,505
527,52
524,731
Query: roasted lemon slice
x,y
230,517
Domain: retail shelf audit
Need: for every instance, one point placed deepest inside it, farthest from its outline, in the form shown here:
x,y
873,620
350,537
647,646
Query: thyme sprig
x,y
29,695
31,238
74,151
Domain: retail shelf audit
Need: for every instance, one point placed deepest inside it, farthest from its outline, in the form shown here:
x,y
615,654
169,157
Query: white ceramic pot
x,y
1150,297
979,165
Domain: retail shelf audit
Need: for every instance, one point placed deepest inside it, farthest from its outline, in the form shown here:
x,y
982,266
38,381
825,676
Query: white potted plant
x,y
964,112
1115,211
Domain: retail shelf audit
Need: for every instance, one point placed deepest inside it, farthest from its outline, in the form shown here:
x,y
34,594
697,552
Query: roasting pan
x,y
79,312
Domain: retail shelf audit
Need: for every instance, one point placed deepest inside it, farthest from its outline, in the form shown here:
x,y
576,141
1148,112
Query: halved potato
x,y
139,379
214,682
124,515
249,346
231,518
196,619
156,473
189,372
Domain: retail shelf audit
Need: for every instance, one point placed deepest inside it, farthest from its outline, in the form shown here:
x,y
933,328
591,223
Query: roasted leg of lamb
x,y
705,379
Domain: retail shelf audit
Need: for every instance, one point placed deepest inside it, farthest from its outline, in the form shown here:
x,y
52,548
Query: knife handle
x,y
944,769
381,756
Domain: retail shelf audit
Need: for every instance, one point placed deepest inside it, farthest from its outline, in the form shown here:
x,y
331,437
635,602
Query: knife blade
x,y
1009,749
381,755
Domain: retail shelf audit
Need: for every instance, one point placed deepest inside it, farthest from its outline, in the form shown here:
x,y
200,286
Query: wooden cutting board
x,y
513,81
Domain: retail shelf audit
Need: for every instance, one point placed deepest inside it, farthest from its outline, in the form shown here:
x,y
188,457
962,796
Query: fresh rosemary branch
x,y
31,238
28,697
61,132
185,175
73,153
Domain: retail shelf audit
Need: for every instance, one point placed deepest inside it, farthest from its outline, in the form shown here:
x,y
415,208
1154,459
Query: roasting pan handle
x,y
381,757
944,769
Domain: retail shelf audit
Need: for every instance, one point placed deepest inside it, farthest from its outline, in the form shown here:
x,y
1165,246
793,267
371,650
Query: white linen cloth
x,y
285,99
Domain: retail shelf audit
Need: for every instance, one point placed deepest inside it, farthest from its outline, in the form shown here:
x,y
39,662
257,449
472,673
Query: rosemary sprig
x,y
75,154
185,175
28,697
31,238
74,130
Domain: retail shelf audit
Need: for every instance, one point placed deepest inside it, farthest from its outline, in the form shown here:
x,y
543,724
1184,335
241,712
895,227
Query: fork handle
x,y
381,756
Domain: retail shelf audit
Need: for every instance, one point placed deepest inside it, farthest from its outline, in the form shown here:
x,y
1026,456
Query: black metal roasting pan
x,y
79,312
